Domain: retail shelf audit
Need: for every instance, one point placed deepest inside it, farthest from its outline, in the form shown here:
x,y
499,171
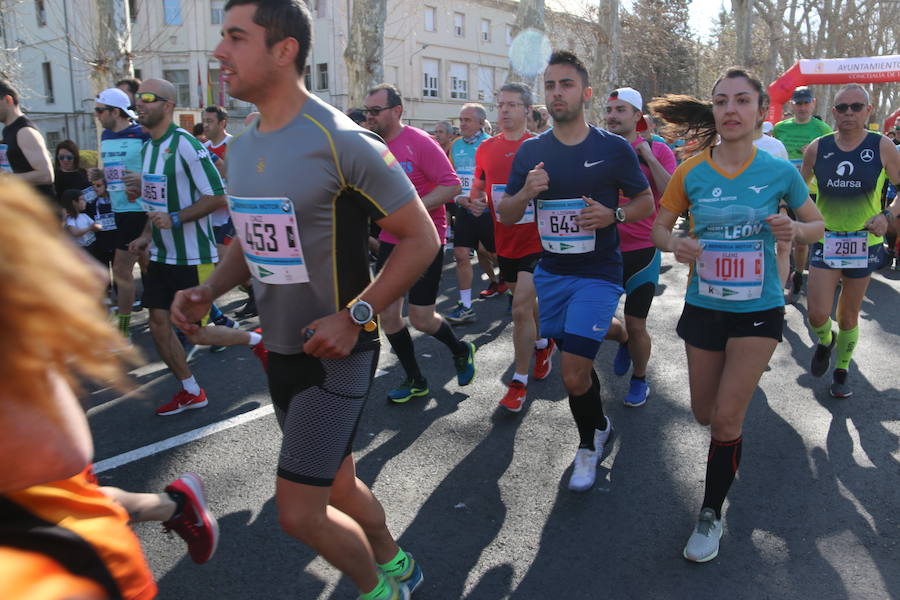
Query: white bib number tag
x,y
497,191
4,160
558,230
466,176
107,221
114,172
154,193
846,249
731,270
270,236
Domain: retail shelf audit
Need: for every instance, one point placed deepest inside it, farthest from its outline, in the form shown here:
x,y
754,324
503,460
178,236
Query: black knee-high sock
x,y
721,466
445,335
402,344
587,410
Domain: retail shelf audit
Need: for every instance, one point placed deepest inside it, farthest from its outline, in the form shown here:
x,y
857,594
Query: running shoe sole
x,y
413,393
198,493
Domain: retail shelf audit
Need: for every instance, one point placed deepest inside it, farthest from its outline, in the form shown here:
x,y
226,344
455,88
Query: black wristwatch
x,y
362,313
620,215
888,215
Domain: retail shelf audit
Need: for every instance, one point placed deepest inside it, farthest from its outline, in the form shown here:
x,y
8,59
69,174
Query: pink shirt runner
x,y
427,167
635,236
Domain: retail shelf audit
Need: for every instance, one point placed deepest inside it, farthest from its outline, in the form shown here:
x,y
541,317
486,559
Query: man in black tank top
x,y
23,150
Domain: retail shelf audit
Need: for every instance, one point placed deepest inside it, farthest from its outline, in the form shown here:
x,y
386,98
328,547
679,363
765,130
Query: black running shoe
x,y
821,359
839,387
797,283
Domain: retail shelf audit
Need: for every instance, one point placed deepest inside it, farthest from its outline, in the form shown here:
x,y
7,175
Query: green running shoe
x,y
407,390
465,365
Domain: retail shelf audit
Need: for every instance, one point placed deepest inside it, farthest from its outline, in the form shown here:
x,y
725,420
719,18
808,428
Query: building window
x,y
430,69
133,10
322,76
459,24
40,12
459,81
137,74
48,83
509,35
53,138
179,78
485,30
430,18
485,84
307,78
172,12
217,12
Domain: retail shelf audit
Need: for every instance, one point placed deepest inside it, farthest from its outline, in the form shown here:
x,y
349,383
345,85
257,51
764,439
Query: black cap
x,y
802,94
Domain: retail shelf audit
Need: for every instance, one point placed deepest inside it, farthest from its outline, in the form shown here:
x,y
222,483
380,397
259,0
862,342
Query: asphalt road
x,y
479,496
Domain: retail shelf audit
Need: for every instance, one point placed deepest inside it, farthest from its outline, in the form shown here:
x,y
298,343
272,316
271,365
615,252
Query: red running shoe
x,y
494,288
195,524
181,402
542,364
515,396
260,351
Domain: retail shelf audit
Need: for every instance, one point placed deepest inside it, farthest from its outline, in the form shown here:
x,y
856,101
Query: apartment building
x,y
440,54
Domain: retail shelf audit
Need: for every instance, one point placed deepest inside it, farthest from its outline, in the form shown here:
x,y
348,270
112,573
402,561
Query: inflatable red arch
x,y
869,69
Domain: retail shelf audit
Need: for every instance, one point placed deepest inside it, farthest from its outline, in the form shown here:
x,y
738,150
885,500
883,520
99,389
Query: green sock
x,y
823,332
124,323
846,344
398,566
381,591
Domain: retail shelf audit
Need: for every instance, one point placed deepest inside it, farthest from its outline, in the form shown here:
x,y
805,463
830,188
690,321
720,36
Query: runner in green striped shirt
x,y
180,189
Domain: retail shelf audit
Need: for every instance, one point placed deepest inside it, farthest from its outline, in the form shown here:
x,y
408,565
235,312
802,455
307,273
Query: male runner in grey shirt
x,y
303,183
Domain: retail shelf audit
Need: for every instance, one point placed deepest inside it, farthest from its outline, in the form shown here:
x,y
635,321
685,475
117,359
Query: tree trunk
x,y
743,17
112,61
606,57
529,15
364,55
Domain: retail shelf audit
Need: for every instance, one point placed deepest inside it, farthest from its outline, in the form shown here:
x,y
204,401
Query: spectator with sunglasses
x,y
850,166
120,151
68,174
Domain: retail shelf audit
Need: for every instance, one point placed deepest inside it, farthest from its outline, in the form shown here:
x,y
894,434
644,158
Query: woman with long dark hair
x,y
734,307
68,174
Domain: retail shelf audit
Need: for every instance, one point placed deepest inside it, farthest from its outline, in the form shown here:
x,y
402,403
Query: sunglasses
x,y
855,107
375,110
65,157
150,97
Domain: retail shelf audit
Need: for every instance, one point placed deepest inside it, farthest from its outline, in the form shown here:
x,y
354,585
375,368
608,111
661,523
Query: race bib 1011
x,y
731,270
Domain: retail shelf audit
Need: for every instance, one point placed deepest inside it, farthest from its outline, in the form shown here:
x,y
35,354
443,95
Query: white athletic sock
x,y
540,343
255,338
523,379
190,385
465,296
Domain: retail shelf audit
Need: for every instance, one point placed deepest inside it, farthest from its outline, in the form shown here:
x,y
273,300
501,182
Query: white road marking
x,y
187,437
181,439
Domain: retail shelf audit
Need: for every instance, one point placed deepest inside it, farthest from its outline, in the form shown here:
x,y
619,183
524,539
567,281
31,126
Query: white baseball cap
x,y
118,98
632,97
767,126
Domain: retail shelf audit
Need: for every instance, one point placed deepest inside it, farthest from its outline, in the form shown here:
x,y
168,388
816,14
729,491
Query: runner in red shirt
x,y
518,246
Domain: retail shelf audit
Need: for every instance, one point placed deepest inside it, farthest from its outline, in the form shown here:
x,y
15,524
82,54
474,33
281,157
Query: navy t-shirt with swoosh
x,y
598,168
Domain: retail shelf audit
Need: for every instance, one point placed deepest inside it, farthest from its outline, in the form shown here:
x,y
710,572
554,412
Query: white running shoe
x,y
703,545
584,467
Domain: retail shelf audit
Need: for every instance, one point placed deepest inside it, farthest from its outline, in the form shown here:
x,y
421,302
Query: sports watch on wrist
x,y
620,215
362,313
888,215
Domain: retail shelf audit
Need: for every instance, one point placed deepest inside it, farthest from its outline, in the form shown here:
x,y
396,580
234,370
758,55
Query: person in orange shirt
x,y
61,536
